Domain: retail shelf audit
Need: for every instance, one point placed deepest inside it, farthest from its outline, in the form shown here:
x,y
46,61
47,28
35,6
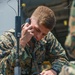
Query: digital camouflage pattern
x,y
70,44
70,41
68,70
48,53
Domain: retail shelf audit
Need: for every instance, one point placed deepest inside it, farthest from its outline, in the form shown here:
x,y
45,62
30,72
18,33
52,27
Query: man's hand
x,y
48,72
26,34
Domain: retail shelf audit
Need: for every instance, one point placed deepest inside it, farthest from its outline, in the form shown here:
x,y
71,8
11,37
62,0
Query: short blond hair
x,y
45,16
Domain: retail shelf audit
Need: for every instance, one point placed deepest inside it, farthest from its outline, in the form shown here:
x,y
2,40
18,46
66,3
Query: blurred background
x,y
61,8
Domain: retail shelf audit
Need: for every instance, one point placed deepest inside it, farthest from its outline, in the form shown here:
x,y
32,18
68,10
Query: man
x,y
70,44
39,53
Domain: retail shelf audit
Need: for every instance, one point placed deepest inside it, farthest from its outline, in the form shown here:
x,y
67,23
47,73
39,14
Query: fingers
x,y
31,32
26,34
27,26
28,29
42,73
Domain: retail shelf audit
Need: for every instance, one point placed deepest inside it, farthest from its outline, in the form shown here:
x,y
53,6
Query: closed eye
x,y
37,30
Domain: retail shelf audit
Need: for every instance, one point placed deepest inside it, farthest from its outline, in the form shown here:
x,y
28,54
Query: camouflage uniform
x,y
47,53
70,44
68,70
70,41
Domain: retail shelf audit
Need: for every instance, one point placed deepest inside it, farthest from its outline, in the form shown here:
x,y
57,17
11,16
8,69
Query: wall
x,y
8,11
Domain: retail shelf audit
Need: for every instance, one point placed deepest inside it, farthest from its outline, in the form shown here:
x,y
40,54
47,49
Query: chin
x,y
37,40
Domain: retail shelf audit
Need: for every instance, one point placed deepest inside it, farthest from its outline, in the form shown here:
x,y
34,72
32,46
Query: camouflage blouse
x,y
46,54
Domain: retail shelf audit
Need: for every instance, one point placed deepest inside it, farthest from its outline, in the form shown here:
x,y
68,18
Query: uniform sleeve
x,y
6,43
56,52
68,69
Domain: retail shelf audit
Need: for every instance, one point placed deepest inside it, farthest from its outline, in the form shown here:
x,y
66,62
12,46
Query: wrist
x,y
22,43
55,71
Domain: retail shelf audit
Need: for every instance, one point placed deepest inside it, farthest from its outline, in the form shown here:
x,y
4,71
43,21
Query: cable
x,y
11,6
67,6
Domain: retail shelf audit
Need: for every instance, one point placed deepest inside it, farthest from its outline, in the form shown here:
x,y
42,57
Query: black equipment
x,y
17,69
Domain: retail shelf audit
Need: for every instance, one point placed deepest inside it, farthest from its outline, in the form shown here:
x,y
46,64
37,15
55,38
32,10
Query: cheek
x,y
35,33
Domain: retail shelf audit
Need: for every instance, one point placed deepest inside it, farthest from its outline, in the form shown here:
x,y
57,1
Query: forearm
x,y
58,63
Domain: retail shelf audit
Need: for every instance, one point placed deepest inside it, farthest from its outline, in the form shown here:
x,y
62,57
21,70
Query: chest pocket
x,y
40,53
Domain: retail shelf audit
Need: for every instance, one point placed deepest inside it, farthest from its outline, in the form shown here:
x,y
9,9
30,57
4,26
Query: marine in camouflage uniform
x,y
70,44
47,53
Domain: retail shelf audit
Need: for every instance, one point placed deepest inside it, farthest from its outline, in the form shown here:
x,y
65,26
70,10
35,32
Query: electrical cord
x,y
11,6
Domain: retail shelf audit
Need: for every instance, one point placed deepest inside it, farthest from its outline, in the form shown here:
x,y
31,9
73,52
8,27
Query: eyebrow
x,y
40,31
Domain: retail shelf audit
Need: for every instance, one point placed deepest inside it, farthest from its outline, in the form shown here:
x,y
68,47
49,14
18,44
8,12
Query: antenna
x,y
17,69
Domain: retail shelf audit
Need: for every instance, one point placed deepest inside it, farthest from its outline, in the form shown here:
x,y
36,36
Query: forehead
x,y
43,29
39,27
